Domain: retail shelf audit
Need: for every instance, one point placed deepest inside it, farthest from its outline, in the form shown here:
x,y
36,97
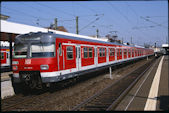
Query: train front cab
x,y
34,58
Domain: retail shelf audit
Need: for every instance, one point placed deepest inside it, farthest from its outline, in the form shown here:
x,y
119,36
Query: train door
x,y
135,52
129,53
112,54
78,57
60,56
132,52
107,55
69,59
115,52
120,53
95,56
124,53
7,57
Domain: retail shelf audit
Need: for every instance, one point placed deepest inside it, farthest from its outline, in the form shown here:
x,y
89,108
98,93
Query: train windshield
x,y
42,50
20,50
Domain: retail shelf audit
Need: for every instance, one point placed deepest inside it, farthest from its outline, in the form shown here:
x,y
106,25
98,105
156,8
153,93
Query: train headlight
x,y
44,67
15,62
14,68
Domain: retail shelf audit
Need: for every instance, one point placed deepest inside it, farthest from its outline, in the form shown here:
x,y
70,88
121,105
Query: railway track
x,y
14,103
21,102
109,97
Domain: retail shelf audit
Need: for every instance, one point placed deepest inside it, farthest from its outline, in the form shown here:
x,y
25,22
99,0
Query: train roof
x,y
50,36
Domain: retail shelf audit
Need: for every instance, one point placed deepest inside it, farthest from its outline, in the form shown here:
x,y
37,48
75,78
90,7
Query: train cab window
x,y
103,52
42,50
2,56
69,51
20,50
85,52
90,52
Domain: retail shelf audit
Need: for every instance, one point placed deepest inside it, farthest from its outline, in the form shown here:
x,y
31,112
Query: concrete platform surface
x,y
151,92
5,76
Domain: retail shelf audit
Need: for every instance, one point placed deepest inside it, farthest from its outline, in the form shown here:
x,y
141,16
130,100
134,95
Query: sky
x,y
144,21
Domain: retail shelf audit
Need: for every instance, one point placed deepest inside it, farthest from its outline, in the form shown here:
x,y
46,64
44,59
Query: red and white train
x,y
41,58
5,58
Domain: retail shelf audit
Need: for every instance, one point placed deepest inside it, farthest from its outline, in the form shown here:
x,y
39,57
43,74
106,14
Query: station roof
x,y
11,27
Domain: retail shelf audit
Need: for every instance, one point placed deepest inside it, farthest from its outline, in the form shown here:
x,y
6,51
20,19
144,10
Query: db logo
x,y
27,61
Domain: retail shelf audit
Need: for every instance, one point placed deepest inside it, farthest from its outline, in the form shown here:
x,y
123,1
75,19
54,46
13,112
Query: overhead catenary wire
x,y
125,17
39,10
86,7
132,11
153,22
50,12
90,23
53,9
25,14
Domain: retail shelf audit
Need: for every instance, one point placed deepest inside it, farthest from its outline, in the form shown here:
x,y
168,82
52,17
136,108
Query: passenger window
x,y
103,52
125,53
117,52
69,50
85,52
90,52
111,52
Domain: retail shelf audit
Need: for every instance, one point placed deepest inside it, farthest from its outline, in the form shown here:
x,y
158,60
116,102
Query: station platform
x,y
5,76
151,92
6,85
